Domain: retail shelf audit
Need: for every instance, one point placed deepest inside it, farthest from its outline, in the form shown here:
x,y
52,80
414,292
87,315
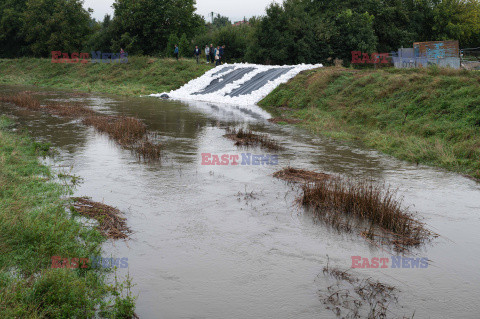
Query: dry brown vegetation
x,y
248,138
111,224
291,174
351,297
124,130
128,132
340,201
147,150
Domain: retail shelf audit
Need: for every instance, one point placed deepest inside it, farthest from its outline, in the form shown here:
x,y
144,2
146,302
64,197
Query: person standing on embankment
x,y
217,56
212,53
175,52
221,55
207,53
196,53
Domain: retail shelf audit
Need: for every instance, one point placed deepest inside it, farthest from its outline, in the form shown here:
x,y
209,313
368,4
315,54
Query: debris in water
x,y
351,297
111,224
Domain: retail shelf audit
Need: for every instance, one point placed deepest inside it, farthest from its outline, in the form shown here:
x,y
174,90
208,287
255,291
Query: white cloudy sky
x,y
234,9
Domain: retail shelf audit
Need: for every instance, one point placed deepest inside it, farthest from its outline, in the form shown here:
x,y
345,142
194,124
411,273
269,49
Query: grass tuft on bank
x,y
34,227
429,116
140,76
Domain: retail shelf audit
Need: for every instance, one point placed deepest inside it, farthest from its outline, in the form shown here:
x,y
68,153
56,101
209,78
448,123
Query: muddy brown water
x,y
202,249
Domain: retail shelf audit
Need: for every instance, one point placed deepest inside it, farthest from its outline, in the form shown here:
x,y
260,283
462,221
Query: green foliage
x,y
186,49
172,41
220,21
296,31
55,25
458,20
356,31
149,23
429,116
101,39
12,42
34,226
140,76
302,32
235,39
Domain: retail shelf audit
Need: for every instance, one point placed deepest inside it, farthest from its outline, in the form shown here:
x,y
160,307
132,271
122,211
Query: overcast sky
x,y
234,9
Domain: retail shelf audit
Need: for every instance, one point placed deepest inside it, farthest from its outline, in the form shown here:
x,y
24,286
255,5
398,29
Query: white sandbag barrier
x,y
238,84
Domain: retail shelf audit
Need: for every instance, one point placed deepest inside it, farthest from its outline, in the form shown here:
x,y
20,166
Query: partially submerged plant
x,y
291,174
111,223
339,200
148,151
248,138
351,297
124,130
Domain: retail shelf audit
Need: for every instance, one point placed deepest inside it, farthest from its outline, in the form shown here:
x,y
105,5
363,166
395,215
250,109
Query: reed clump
x,y
60,109
22,100
294,175
337,200
244,137
124,130
111,224
148,151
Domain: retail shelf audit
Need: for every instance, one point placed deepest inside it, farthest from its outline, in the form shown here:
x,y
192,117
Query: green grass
x,y
141,75
34,226
429,116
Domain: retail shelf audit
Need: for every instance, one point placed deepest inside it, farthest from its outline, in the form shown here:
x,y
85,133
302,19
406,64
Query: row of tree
x,y
297,31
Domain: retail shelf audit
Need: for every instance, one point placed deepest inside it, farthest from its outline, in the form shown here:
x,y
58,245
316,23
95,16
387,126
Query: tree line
x,y
296,31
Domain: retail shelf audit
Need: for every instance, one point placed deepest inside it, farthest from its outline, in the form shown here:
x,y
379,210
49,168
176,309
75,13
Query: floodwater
x,y
202,248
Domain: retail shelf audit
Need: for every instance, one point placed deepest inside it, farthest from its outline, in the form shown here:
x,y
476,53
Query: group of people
x,y
213,55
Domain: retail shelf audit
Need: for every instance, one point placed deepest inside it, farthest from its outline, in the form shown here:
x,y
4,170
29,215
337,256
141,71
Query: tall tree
x,y
220,21
55,25
149,23
12,43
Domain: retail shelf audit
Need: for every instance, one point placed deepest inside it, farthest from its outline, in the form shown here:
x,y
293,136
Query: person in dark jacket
x,y
222,48
212,53
175,52
196,53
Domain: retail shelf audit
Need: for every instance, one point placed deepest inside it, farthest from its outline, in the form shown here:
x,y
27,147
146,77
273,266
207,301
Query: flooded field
x,y
229,241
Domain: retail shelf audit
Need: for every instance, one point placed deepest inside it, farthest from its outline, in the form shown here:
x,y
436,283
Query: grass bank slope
x,y
429,116
34,227
141,75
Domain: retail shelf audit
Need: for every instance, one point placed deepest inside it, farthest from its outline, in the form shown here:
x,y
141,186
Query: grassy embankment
x,y
427,116
141,75
34,227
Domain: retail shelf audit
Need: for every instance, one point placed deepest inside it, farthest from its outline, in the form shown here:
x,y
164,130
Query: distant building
x,y
238,23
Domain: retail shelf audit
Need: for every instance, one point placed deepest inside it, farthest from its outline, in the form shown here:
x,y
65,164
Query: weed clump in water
x,y
148,151
111,224
337,200
124,130
294,175
248,138
351,297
